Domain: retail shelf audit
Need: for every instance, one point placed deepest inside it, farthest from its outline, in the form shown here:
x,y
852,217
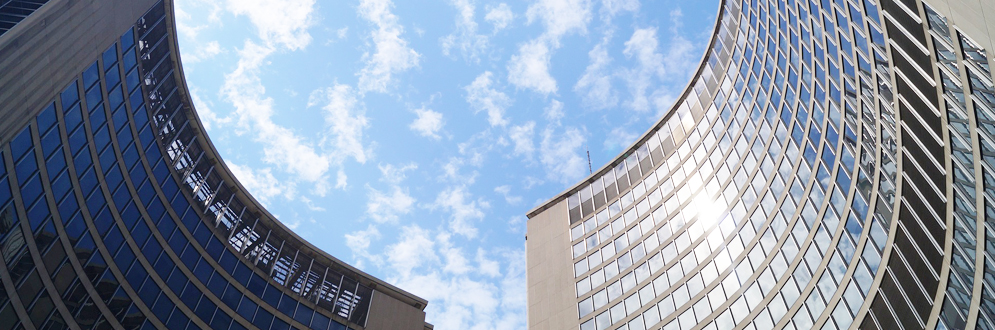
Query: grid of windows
x,y
113,216
801,182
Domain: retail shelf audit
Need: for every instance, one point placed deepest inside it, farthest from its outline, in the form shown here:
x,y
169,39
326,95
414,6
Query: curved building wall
x,y
829,167
116,211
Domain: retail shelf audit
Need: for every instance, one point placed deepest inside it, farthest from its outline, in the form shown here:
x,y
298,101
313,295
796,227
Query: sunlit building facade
x,y
116,211
830,166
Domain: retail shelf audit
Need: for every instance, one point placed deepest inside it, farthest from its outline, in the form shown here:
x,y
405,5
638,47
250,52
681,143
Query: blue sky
x,y
410,138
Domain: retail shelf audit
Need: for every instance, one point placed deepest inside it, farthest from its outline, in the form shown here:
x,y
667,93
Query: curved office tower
x,y
830,166
116,211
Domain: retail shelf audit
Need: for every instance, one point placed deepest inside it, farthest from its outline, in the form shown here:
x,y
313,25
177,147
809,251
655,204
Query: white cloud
x,y
455,262
488,267
595,86
561,154
505,191
643,46
530,67
481,96
500,16
254,112
345,120
561,16
465,39
204,52
416,248
359,243
428,123
619,138
207,115
463,210
387,207
261,183
392,54
613,7
279,23
521,136
654,70
394,174
554,112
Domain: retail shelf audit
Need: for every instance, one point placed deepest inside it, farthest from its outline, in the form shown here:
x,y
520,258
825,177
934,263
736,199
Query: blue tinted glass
x,y
21,144
110,56
128,39
70,96
26,168
94,98
91,75
51,142
46,119
113,77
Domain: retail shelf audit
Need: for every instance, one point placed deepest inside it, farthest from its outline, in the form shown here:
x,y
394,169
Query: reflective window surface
x,y
112,215
777,193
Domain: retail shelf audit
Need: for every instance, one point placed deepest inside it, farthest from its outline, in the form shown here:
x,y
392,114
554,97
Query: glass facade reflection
x,y
829,167
117,213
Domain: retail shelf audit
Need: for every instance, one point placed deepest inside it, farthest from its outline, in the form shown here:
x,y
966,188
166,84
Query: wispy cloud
x,y
464,211
254,112
529,68
482,97
386,207
428,123
561,154
522,136
595,86
500,16
345,119
395,174
391,55
282,23
465,39
261,183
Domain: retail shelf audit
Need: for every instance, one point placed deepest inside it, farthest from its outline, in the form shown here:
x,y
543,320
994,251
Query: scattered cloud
x,y
613,7
428,123
359,243
463,210
345,120
554,111
505,191
395,174
619,138
204,110
392,54
482,97
465,39
643,47
595,86
561,154
521,136
261,183
204,52
560,16
384,207
254,113
499,16
416,248
530,67
282,23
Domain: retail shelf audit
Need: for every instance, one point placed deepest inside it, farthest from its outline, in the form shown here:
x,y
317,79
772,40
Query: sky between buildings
x,y
410,138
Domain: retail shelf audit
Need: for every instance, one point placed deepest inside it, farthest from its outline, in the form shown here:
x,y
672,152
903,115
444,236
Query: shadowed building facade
x,y
116,211
831,165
